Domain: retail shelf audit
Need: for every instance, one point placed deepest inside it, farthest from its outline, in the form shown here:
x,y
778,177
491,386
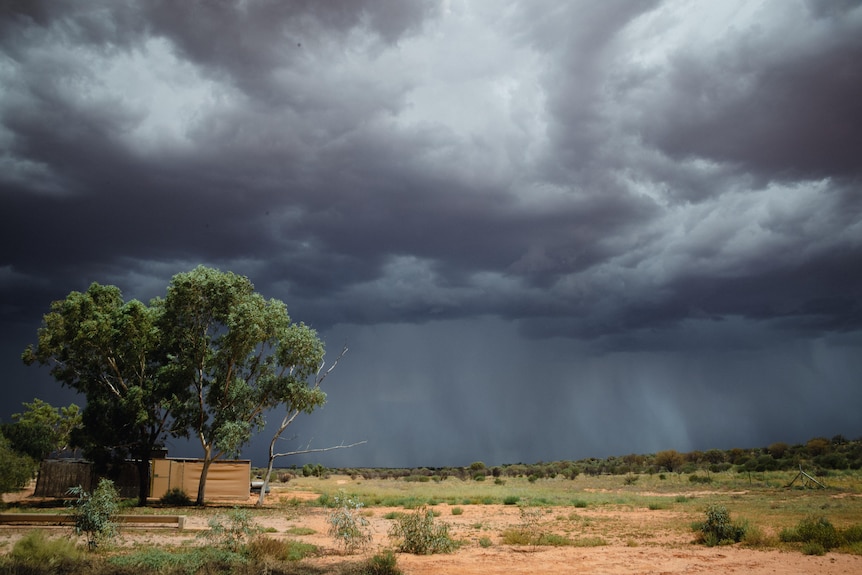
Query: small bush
x,y
694,478
300,531
176,497
517,536
755,537
457,511
852,534
813,530
579,503
347,526
381,564
511,500
718,529
485,542
232,531
288,550
813,548
36,549
94,513
198,560
417,533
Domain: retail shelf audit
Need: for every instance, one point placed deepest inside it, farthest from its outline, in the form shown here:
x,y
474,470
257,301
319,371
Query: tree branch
x,y
318,449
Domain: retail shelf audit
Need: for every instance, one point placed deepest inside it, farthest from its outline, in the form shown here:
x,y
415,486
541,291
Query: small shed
x,y
226,480
57,476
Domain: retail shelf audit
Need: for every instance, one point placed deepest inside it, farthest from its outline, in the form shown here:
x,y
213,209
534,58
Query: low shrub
x,y
176,497
94,513
511,500
285,550
485,542
852,534
381,564
813,548
300,531
457,511
718,529
35,548
817,530
346,524
418,533
167,561
233,530
755,537
517,536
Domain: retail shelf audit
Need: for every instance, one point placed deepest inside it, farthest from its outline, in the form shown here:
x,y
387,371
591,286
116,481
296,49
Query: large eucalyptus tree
x,y
236,355
107,350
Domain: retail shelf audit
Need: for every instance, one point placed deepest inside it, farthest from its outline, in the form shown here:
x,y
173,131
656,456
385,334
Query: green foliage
x,y
701,479
457,511
718,529
381,564
180,562
511,500
176,497
232,531
485,542
237,352
300,531
670,460
346,525
16,469
517,536
418,533
35,548
108,350
813,530
94,513
42,429
284,550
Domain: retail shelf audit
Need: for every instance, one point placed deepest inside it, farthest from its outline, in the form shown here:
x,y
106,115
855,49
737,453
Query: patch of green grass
x,y
381,564
160,560
282,549
300,531
37,549
457,511
511,500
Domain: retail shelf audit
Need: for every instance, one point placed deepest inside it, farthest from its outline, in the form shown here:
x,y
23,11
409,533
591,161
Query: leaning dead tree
x,y
289,417
805,479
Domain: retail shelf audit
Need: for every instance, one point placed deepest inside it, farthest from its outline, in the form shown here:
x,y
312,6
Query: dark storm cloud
x,y
651,183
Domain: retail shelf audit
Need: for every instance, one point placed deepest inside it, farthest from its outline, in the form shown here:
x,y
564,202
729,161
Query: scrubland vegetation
x,y
735,498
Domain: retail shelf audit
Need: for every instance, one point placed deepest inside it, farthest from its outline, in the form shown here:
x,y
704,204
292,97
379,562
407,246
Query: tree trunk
x,y
265,485
143,465
202,484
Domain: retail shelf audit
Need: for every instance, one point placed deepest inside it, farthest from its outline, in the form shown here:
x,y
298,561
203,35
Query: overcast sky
x,y
545,229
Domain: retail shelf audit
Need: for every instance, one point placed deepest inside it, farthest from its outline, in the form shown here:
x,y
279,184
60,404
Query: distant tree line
x,y
818,455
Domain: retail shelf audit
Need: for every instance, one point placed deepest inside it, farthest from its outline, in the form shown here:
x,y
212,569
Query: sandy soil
x,y
637,541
